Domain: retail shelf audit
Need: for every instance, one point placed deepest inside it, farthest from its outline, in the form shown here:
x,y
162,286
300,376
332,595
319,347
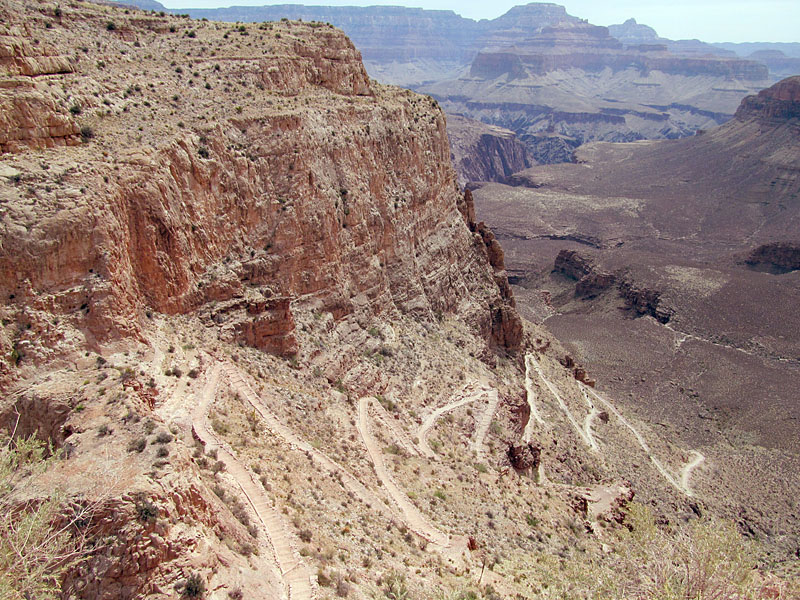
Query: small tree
x,y
41,538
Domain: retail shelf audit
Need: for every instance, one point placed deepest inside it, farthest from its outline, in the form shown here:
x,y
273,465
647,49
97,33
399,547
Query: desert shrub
x,y
146,511
394,587
163,438
137,445
342,587
40,541
708,559
305,535
111,26
703,560
194,587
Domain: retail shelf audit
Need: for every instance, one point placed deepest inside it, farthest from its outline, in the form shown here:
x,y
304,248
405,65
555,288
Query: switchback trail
x,y
687,470
352,484
482,426
587,424
530,396
565,409
400,436
678,485
451,548
413,517
296,575
422,431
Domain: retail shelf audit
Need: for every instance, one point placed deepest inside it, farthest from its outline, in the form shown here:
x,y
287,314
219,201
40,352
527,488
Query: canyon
x,y
277,351
669,269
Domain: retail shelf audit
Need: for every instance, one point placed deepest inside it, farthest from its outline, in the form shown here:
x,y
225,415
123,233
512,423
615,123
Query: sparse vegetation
x,y
194,586
137,444
146,511
39,540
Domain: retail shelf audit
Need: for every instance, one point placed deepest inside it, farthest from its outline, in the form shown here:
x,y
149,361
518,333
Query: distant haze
x,y
707,20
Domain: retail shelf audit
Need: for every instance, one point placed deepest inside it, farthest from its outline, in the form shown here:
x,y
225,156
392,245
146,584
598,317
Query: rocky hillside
x,y
227,130
553,79
273,349
400,45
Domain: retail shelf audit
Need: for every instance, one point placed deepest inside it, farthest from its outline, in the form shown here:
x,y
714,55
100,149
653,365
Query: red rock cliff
x,y
273,172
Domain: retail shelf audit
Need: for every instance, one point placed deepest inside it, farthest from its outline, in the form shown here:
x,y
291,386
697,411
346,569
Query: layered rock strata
x,y
485,153
321,187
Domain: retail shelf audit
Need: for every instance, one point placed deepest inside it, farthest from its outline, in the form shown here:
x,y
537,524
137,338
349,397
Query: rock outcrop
x,y
591,282
778,257
779,64
483,152
505,329
524,458
780,102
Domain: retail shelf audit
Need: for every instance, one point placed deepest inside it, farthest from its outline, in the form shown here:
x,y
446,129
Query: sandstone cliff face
x,y
28,115
319,188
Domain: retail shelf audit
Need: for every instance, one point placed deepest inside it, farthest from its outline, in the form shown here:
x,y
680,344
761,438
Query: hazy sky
x,y
708,20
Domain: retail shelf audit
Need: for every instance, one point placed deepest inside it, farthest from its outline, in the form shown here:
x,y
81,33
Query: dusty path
x,y
240,385
296,575
414,519
430,420
678,485
587,423
453,548
565,409
530,396
686,472
482,427
399,435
